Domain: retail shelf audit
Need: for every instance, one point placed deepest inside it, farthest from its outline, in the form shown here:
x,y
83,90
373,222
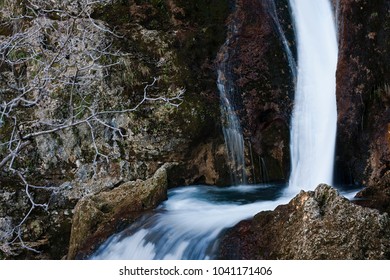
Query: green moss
x,y
18,54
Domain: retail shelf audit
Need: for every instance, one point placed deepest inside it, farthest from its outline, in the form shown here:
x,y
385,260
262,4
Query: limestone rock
x,y
97,216
318,224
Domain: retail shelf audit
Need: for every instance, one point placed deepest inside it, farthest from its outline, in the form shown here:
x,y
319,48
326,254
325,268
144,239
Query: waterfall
x,y
290,58
313,129
232,132
188,224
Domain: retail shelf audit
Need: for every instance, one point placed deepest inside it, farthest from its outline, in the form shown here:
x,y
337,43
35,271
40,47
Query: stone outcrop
x,y
318,224
100,215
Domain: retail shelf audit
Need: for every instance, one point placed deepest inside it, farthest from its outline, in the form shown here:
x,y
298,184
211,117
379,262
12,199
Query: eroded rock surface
x,y
318,224
363,96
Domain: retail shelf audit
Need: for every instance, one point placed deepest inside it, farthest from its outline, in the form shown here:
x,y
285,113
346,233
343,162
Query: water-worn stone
x,y
97,216
317,224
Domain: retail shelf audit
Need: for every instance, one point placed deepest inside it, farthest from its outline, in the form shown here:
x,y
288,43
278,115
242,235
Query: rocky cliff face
x,y
107,57
103,59
363,146
318,224
264,85
309,226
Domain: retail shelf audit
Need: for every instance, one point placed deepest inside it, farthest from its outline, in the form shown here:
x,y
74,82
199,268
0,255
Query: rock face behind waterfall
x,y
363,98
318,224
260,72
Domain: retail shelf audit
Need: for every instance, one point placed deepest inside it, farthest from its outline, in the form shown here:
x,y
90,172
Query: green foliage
x,y
18,54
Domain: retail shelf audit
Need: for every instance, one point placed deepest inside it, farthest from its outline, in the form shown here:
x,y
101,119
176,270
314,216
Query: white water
x,y
231,126
314,118
232,132
291,61
187,225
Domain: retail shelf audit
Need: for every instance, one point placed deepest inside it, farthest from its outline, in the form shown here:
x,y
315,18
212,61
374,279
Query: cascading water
x,y
232,133
274,15
314,120
231,126
188,224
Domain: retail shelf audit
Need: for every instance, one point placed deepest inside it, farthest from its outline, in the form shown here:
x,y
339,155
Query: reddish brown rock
x,y
363,148
263,85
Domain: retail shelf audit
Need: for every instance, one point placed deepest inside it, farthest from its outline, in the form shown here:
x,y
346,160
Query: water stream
x,y
314,120
231,126
187,225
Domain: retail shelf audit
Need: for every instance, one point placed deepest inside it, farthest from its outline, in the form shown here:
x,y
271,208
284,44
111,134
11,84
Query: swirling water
x,y
188,224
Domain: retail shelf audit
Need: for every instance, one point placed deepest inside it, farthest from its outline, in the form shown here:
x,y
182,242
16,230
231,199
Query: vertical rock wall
x,y
264,87
363,96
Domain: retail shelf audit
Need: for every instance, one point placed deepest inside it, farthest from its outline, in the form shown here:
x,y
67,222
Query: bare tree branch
x,y
56,56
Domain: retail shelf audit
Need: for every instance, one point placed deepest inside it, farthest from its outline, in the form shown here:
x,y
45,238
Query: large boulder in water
x,y
318,224
97,216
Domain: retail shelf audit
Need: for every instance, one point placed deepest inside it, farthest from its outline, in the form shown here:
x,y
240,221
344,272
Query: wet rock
x,y
363,146
317,224
97,216
263,84
378,196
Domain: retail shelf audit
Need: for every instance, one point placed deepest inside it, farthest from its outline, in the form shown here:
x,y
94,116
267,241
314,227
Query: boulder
x,y
97,216
318,224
